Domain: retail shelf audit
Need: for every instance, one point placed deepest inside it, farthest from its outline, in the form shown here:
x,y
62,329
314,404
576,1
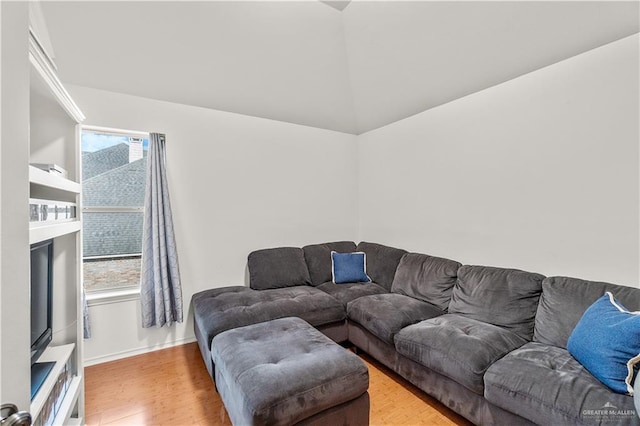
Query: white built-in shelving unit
x,y
56,380
54,132
53,187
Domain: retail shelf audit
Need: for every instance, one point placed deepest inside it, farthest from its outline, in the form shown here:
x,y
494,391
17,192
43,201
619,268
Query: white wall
x,y
237,183
538,173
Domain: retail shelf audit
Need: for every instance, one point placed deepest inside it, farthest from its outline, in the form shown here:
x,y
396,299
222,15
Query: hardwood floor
x,y
172,387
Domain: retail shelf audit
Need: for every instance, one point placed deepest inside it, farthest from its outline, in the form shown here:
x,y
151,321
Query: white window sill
x,y
116,296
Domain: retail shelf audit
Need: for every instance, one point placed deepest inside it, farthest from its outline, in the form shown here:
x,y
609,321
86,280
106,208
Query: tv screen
x,y
41,297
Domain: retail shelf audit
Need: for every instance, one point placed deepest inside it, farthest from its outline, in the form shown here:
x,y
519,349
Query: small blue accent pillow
x,y
606,341
349,267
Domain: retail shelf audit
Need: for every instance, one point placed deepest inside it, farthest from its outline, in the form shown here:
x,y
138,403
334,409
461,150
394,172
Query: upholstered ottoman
x,y
285,372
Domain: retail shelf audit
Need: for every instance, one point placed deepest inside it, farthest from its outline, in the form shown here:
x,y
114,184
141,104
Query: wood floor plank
x,y
172,387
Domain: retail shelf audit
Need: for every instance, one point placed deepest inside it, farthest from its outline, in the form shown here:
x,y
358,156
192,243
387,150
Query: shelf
x,y
59,355
40,232
64,412
50,180
53,137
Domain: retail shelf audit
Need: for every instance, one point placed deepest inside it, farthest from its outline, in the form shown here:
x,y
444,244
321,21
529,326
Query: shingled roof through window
x,y
98,162
111,181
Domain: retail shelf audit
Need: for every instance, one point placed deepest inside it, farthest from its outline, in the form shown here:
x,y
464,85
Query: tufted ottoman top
x,y
282,371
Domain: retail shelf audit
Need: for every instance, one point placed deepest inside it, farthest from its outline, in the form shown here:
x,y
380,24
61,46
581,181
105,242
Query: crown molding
x,y
45,67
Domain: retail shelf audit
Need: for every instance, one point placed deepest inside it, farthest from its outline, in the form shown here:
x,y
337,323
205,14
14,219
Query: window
x,y
113,185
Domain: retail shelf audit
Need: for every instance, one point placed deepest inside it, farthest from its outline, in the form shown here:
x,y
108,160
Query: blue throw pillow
x,y
606,341
349,267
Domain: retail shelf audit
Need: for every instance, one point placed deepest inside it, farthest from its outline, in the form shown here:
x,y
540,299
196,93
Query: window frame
x,y
125,293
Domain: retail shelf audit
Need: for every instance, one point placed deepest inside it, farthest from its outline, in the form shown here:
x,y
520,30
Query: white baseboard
x,y
139,351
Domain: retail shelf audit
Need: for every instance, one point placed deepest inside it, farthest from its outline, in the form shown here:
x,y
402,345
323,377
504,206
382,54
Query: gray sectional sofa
x,y
489,343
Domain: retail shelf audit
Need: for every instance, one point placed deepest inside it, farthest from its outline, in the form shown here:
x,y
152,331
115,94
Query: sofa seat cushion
x,y
221,309
283,371
386,314
347,292
457,347
546,385
318,258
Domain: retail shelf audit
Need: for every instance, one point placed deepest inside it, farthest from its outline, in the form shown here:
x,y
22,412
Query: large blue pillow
x,y
349,267
606,341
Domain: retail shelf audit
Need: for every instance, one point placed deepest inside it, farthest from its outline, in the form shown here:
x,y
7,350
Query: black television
x,y
41,297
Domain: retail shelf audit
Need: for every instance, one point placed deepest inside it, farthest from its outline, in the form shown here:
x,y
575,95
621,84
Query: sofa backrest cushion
x,y
277,267
318,259
564,301
427,278
507,298
382,262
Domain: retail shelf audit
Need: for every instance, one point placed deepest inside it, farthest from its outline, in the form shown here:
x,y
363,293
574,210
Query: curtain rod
x,y
111,131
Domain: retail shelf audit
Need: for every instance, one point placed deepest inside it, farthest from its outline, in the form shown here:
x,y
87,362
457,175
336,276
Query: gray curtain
x,y
86,326
160,289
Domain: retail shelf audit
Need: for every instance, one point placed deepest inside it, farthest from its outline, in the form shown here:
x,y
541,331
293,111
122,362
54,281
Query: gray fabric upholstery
x,y
564,300
452,394
546,385
386,314
351,413
457,397
382,262
283,371
366,341
477,359
507,298
204,344
345,293
318,258
277,268
222,309
457,347
426,278
336,331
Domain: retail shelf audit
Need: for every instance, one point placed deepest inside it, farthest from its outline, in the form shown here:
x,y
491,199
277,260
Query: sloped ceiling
x,y
350,70
407,57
